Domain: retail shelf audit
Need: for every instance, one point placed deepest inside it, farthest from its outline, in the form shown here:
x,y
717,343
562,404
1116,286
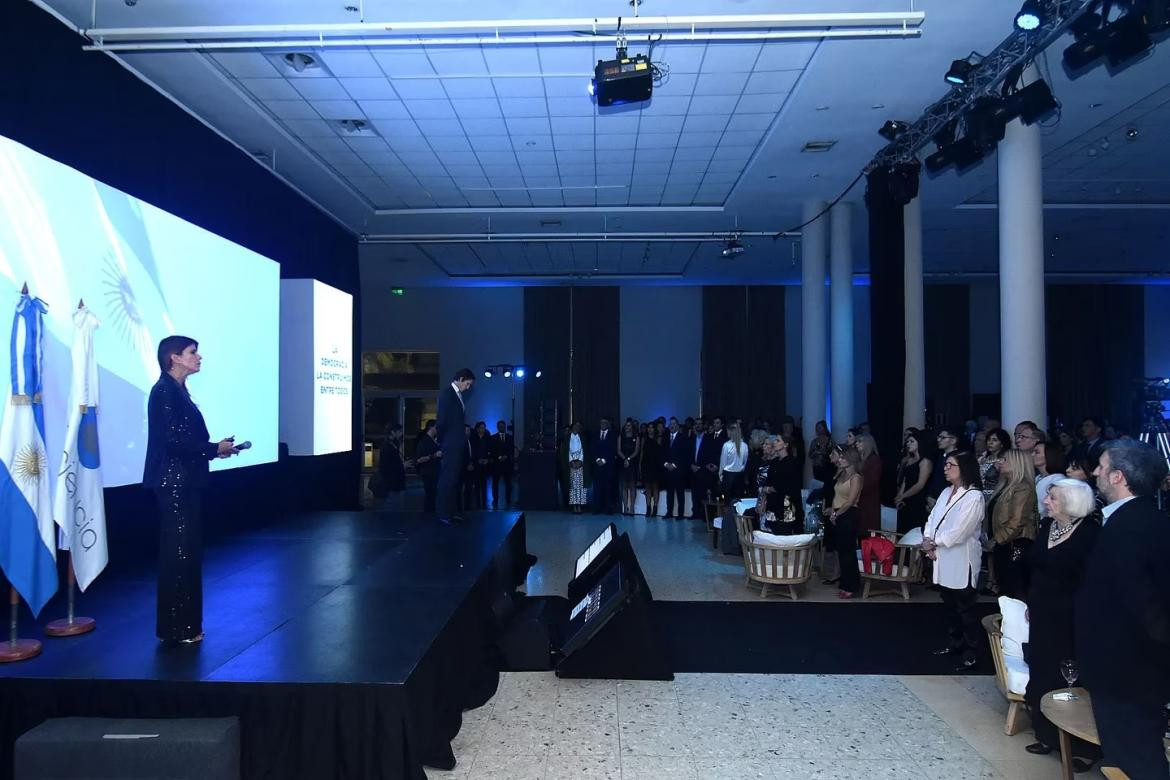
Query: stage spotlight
x,y
487,374
507,374
519,373
893,128
1127,39
960,70
538,373
1030,103
1030,17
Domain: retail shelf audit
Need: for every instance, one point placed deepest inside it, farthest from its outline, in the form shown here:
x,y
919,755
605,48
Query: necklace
x,y
1058,531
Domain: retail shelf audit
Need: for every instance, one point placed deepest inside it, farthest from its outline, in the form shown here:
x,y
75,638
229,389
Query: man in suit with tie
x,y
502,451
1123,612
453,442
603,452
677,467
718,433
1091,443
705,471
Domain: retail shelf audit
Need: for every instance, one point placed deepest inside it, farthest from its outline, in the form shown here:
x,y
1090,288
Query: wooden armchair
x,y
768,566
906,569
993,625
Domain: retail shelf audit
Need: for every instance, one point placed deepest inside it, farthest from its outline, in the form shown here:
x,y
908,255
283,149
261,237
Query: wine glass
x,y
1069,671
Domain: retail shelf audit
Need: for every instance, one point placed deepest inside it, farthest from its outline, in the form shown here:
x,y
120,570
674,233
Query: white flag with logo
x,y
79,508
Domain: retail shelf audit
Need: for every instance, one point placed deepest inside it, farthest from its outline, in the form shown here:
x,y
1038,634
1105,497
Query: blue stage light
x,y
487,374
507,374
1030,16
519,373
538,373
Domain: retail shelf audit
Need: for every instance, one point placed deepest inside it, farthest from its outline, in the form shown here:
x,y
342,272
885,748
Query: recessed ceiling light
x,y
773,176
1096,105
876,106
353,9
530,143
299,61
822,108
818,146
1131,133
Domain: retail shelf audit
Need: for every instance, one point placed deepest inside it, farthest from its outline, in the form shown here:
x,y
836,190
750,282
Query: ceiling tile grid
x,y
439,118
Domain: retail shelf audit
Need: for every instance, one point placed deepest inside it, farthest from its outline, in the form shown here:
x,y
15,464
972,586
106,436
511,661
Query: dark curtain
x,y
596,355
1096,349
946,310
546,347
586,322
742,370
887,316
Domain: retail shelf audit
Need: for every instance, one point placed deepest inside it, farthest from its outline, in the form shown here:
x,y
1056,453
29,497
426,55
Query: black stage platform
x,y
348,643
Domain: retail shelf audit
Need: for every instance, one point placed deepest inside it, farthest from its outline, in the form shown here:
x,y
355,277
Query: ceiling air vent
x,y
299,61
818,146
355,127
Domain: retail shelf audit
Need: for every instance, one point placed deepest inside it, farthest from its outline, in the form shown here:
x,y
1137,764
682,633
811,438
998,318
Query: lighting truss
x,y
985,78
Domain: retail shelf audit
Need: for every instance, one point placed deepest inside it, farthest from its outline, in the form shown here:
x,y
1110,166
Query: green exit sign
x,y
397,291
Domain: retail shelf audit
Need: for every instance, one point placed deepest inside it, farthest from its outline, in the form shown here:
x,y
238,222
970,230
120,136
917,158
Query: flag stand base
x,y
19,650
67,627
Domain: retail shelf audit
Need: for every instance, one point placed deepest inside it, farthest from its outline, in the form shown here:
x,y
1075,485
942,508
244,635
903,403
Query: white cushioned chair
x,y
906,569
775,560
1004,678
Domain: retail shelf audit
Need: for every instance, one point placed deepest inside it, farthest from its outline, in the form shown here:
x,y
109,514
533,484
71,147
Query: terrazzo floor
x,y
773,727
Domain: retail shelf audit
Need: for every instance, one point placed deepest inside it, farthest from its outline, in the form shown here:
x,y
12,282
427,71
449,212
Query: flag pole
x,y
70,625
16,649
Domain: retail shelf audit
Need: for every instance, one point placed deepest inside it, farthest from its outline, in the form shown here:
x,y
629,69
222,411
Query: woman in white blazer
x,y
951,540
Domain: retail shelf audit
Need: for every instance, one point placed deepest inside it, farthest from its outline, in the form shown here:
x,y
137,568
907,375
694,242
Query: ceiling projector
x,y
622,80
734,247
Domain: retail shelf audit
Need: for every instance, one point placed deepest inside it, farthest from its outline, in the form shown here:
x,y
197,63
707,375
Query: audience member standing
x,y
1014,517
573,460
427,458
785,477
1058,562
1091,444
502,452
732,463
601,456
998,444
869,508
1049,462
705,471
453,442
951,541
1123,612
791,432
651,458
392,469
818,453
1028,437
913,475
948,441
482,458
676,466
989,424
718,433
629,456
843,517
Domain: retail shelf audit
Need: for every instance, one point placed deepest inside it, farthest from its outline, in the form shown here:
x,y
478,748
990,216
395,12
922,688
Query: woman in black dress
x,y
783,482
1059,558
651,467
178,450
913,476
629,448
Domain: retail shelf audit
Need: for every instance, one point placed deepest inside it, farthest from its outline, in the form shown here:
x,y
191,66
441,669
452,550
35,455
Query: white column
x,y
914,394
812,301
841,318
1024,386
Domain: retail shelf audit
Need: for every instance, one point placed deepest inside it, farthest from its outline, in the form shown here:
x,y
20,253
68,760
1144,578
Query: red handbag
x,y
880,551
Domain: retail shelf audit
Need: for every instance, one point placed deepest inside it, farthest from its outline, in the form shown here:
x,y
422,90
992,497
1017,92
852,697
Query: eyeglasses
x,y
949,465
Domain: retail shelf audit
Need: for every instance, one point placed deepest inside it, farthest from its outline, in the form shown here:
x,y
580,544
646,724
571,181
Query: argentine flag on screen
x,y
79,506
27,551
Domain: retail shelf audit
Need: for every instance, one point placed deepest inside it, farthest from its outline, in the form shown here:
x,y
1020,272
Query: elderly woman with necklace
x,y
1058,558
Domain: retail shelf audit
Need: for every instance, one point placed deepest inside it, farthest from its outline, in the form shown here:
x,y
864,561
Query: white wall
x,y
470,327
661,338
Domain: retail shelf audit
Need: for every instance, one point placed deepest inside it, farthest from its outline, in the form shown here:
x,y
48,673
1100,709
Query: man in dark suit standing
x,y
502,451
677,467
603,452
1091,443
704,472
1123,612
453,442
718,433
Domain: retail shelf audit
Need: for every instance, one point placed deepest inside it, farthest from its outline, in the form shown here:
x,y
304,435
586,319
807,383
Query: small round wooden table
x,y
1070,717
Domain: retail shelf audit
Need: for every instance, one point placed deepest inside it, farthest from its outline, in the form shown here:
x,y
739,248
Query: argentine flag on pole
x,y
28,554
79,508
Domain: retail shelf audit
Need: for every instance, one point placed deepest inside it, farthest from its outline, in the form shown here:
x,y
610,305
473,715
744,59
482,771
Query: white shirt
x,y
459,395
955,528
1042,485
1108,510
576,451
730,460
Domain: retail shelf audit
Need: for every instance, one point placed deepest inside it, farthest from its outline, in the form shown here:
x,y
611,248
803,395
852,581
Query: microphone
x,y
246,445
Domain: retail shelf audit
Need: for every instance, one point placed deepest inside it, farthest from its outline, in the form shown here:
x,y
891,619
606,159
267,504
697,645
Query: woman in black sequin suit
x,y
178,450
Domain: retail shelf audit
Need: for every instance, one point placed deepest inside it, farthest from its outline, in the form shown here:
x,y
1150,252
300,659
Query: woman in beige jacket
x,y
1014,517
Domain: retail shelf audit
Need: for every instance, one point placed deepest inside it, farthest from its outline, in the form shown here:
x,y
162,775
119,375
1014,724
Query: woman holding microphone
x,y
178,450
